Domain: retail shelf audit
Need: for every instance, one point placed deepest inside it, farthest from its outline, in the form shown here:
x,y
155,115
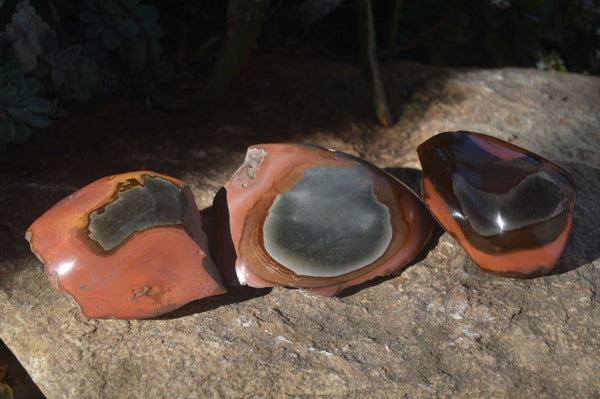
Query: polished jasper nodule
x,y
509,208
127,246
132,246
308,217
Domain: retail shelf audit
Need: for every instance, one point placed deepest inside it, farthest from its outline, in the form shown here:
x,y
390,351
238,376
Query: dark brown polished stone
x,y
509,208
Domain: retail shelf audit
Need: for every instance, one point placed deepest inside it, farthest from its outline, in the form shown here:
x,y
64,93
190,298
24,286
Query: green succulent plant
x,y
125,25
83,81
26,36
20,109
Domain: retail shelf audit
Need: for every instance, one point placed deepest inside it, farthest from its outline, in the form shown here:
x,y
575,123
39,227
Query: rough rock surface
x,y
440,328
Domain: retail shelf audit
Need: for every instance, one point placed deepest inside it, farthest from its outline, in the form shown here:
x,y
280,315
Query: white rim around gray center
x,y
330,223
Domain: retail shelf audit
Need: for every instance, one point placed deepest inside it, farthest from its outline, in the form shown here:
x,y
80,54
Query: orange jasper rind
x,y
510,209
304,216
127,246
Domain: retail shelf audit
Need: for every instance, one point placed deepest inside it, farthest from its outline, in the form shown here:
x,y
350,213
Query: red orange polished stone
x,y
304,216
509,208
127,246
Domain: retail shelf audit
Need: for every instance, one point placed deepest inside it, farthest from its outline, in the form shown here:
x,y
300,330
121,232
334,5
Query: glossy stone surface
x,y
303,216
127,246
509,208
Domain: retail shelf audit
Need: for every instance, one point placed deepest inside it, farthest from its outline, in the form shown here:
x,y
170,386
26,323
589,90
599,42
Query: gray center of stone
x,y
158,202
535,199
330,223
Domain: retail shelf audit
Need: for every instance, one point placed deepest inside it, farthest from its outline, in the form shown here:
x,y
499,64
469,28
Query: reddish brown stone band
x,y
509,208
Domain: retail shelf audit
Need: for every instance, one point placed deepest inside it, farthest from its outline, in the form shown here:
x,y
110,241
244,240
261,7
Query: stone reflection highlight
x,y
511,209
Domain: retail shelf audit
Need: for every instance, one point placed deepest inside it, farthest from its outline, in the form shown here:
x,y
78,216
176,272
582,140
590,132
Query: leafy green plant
x,y
25,38
83,80
58,63
20,109
123,25
551,62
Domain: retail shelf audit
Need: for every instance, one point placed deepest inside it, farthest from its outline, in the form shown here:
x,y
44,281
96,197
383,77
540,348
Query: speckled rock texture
x,y
441,327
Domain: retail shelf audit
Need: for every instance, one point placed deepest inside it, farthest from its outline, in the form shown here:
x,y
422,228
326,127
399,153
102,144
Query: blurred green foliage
x,y
73,50
20,109
502,32
488,33
123,25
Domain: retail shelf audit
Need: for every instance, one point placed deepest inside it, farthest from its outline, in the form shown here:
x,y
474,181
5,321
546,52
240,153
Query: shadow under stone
x,y
410,177
235,294
583,246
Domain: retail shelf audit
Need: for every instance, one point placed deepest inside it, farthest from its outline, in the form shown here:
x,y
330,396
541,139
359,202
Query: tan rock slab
x,y
440,328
